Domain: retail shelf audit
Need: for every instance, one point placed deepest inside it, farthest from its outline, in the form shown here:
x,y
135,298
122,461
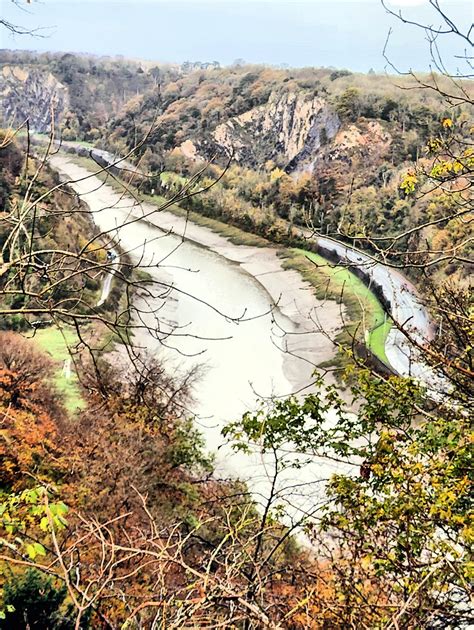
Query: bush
x,y
32,600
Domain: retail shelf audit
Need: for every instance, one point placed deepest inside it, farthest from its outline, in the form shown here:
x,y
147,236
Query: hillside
x,y
326,148
288,116
313,146
50,261
85,92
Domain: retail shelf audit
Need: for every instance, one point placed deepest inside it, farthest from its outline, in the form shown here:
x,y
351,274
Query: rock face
x,y
31,94
374,135
290,129
358,148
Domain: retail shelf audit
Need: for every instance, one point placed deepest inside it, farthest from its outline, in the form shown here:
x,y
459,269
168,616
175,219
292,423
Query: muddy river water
x,y
254,328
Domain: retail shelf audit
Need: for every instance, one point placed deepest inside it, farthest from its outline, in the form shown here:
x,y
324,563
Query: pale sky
x,y
344,34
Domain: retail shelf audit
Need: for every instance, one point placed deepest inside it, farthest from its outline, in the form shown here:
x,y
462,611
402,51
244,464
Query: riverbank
x,y
368,319
362,311
316,322
387,345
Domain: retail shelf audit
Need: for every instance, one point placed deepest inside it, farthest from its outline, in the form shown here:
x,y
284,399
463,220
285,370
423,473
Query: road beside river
x,y
406,310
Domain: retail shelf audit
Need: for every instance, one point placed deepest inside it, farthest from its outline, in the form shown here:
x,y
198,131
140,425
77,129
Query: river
x,y
255,328
406,306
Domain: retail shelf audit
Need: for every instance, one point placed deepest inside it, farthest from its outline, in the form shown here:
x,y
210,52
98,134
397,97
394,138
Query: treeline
x,y
98,88
277,206
353,189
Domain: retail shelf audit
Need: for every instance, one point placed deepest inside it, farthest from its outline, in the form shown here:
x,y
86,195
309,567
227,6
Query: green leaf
x,y
31,496
62,508
31,551
35,549
40,550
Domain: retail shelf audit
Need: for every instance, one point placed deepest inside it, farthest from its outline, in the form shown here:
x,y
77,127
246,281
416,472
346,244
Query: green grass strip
x,y
55,342
337,282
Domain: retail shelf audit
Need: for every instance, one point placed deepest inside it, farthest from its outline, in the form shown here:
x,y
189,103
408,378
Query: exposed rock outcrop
x,y
31,94
357,148
290,129
374,136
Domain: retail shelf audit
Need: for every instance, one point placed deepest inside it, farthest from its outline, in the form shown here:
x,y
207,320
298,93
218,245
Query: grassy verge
x,y
367,319
378,339
55,343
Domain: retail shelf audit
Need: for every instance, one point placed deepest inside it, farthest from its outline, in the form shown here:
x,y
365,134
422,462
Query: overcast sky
x,y
344,34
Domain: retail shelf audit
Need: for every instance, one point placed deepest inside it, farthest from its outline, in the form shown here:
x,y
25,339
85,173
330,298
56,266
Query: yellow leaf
x,y
366,562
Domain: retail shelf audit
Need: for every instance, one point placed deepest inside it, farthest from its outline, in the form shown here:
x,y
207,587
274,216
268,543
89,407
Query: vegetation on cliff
x,y
312,146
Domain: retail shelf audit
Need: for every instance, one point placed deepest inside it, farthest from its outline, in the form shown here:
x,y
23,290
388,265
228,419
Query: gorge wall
x,y
290,127
32,94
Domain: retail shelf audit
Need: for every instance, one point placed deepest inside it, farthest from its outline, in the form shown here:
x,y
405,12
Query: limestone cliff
x,y
31,93
290,129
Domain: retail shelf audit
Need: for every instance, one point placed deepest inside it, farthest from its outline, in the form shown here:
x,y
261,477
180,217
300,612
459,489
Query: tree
x,y
189,551
403,524
31,599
